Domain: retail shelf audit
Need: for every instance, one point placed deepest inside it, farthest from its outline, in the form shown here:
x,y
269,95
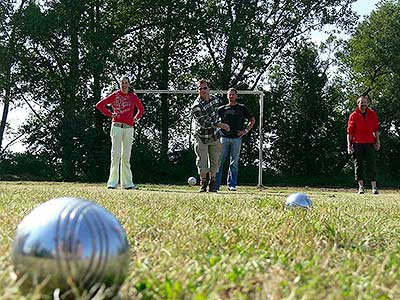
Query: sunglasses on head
x,y
203,88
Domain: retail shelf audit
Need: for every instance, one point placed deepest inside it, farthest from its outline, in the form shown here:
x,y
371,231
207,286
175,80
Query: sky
x,y
361,7
18,115
364,7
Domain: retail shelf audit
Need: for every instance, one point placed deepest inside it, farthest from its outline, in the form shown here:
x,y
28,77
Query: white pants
x,y
121,140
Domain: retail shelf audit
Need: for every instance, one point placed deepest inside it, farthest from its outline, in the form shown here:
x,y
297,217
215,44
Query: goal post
x,y
260,95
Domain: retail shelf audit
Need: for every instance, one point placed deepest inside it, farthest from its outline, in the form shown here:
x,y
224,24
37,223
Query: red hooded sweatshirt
x,y
361,128
123,105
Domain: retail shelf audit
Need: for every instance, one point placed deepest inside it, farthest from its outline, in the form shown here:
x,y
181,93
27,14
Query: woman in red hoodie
x,y
123,104
362,142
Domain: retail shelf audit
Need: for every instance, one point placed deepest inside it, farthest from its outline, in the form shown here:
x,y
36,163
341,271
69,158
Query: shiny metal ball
x,y
70,242
298,200
192,181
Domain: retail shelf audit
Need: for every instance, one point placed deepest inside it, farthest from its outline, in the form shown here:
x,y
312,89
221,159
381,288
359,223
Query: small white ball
x,y
192,181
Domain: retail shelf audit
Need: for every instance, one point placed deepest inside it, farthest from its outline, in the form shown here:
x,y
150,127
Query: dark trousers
x,y
364,160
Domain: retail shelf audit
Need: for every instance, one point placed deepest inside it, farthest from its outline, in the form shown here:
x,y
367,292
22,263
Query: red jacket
x,y
361,128
123,105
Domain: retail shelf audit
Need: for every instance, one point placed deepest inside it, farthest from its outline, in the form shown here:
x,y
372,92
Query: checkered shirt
x,y
205,116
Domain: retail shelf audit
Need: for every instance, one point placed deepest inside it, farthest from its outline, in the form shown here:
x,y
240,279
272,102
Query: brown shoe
x,y
212,186
203,185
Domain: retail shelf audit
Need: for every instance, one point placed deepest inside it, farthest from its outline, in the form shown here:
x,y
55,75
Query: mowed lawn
x,y
242,245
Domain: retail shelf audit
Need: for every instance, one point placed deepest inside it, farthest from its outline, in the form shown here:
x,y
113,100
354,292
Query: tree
x,y
372,51
243,38
161,44
174,49
55,43
373,58
159,57
107,23
71,45
305,121
10,43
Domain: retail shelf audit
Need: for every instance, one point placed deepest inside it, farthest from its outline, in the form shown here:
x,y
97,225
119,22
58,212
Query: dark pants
x,y
364,159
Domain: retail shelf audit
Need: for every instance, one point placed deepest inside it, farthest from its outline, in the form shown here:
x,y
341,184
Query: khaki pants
x,y
121,139
208,156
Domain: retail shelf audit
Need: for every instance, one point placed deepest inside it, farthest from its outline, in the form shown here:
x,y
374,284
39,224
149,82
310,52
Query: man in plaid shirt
x,y
207,132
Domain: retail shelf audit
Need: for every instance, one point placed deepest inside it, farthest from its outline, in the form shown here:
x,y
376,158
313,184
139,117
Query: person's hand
x,y
350,149
243,132
377,146
224,126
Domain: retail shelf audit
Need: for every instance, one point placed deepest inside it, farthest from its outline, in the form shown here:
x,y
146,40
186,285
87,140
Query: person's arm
x,y
249,116
223,126
201,118
101,105
350,148
206,121
350,133
377,141
220,123
140,108
249,126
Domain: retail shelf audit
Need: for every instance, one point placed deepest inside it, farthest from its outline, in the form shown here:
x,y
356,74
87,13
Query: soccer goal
x,y
260,95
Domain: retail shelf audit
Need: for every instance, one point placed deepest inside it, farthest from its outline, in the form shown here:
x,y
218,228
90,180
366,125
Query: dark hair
x,y
361,97
233,89
203,81
124,78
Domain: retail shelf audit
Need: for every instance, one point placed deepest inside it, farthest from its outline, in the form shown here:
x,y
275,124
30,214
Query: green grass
x,y
242,245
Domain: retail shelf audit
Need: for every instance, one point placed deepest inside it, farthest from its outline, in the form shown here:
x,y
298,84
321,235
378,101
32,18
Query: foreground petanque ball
x,y
298,200
192,181
69,245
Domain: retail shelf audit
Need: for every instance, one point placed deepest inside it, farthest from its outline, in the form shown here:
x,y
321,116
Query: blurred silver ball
x,y
69,242
192,181
298,200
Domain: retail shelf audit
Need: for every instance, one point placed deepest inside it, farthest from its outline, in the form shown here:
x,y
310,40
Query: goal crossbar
x,y
220,92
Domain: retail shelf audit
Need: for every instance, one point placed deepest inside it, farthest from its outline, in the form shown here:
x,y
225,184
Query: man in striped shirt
x,y
207,133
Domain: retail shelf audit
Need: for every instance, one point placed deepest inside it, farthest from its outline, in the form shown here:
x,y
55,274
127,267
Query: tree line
x,y
60,57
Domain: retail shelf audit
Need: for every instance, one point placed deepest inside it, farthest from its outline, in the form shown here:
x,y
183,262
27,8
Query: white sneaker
x,y
361,190
232,188
375,191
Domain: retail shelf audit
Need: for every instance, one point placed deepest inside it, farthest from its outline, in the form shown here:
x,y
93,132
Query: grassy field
x,y
241,245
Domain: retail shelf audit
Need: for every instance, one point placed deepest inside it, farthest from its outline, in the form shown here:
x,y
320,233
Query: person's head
x,y
125,84
203,89
362,103
232,95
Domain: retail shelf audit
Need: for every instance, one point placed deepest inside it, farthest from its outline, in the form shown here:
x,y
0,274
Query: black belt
x,y
122,125
208,131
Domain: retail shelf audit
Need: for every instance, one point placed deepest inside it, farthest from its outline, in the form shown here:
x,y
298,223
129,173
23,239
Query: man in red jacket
x,y
362,142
